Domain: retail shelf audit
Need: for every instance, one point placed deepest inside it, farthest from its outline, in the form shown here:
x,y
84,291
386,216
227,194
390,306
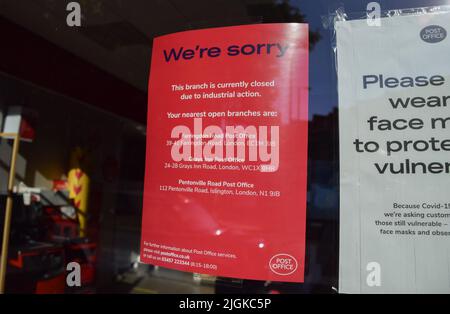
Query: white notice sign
x,y
394,117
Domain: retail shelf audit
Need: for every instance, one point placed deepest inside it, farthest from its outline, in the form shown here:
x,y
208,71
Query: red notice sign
x,y
225,183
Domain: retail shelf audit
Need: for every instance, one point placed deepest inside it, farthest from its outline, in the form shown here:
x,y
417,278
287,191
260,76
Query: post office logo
x,y
283,264
433,34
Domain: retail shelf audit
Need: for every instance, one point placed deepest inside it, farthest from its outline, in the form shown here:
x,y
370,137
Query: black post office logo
x,y
433,34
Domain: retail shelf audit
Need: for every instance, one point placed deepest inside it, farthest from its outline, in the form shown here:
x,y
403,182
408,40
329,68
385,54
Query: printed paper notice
x,y
225,182
394,117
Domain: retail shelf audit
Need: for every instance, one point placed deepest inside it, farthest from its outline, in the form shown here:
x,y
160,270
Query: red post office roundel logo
x,y
283,264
